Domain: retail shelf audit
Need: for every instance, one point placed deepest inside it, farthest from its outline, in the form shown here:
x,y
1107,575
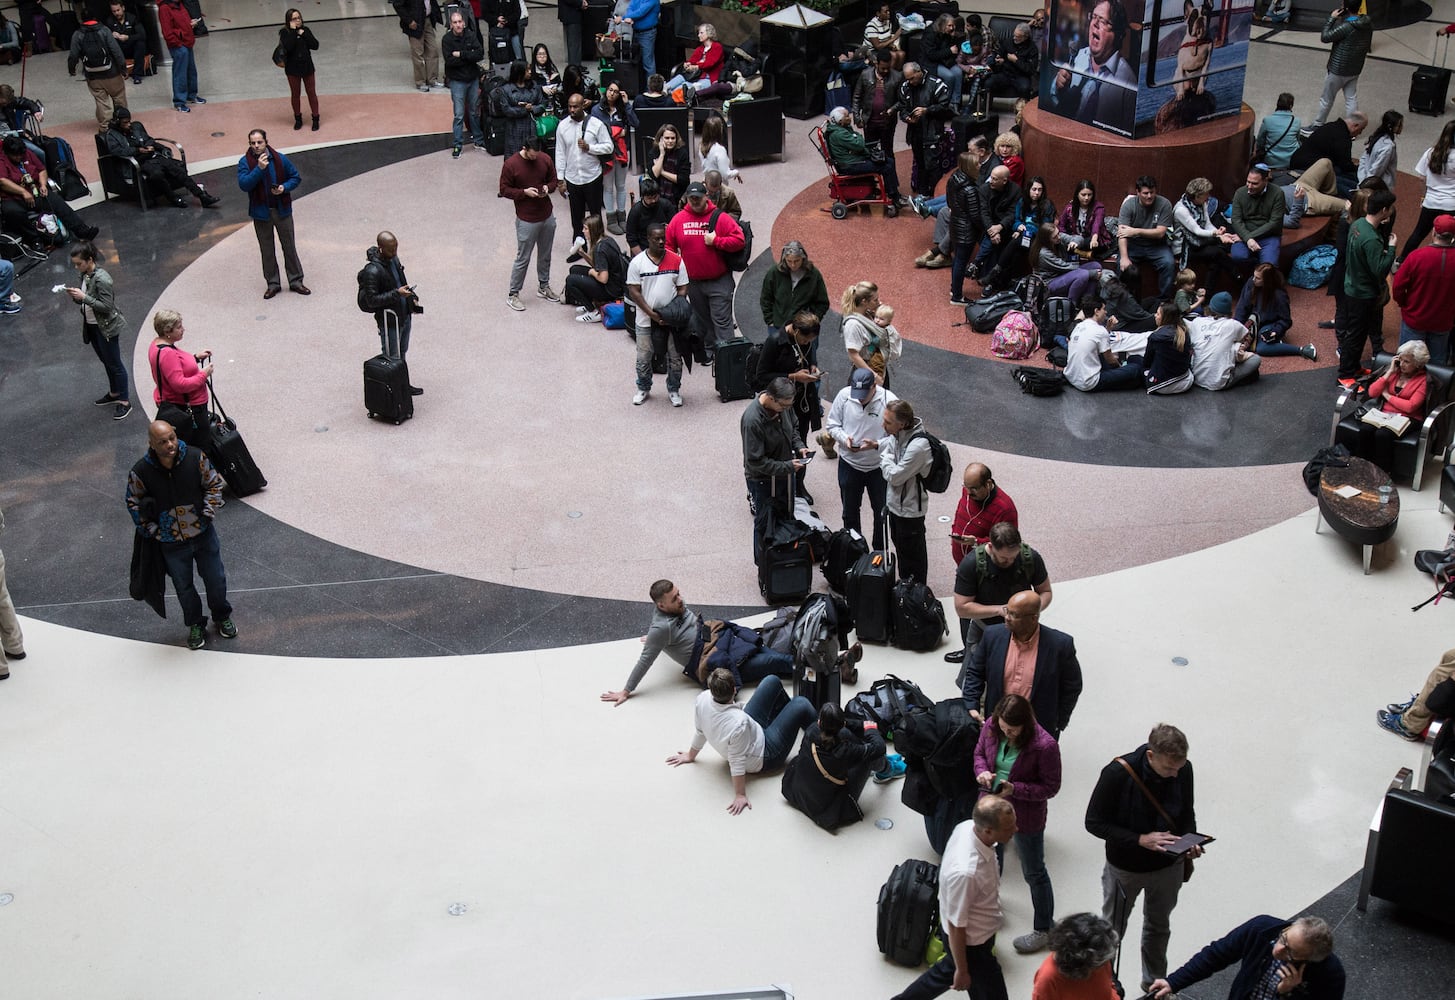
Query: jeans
x,y
909,547
1438,343
853,484
1031,849
987,982
646,38
184,76
886,169
712,300
7,279
203,551
613,191
1273,348
1161,888
645,350
701,83
1333,83
781,717
109,352
958,265
765,495
1160,257
954,78
264,230
1267,251
465,96
763,664
1127,376
532,235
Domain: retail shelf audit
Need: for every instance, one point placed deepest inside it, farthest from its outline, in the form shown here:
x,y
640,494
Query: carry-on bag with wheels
x,y
1429,85
730,369
909,912
228,453
386,378
870,590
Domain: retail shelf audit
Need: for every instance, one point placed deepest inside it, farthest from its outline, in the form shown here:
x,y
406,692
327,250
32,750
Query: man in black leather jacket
x,y
383,288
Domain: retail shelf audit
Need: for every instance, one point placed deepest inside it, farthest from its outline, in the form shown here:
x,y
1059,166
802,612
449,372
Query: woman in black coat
x,y
298,45
967,226
833,764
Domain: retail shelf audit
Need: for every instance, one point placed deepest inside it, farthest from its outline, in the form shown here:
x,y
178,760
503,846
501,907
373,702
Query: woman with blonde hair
x,y
869,345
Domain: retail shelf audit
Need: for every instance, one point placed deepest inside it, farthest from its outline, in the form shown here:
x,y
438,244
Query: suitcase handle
x,y
388,313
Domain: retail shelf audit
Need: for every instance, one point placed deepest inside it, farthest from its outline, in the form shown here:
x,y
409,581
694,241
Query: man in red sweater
x,y
1424,287
529,178
177,25
701,248
982,504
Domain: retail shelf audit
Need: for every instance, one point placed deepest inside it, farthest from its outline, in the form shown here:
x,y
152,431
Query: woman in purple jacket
x,y
1018,760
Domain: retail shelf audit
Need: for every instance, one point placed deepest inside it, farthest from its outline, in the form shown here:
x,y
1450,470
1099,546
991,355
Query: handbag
x,y
179,415
1186,858
279,56
546,126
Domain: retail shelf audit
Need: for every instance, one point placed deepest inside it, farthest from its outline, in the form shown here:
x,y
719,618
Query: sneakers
x,y
455,153
423,88
122,411
1391,721
227,629
955,655
480,144
826,442
1309,351
545,292
589,316
196,637
918,201
9,308
893,768
923,259
1400,707
198,100
514,302
1029,944
108,400
640,397
675,398
938,261
959,300
183,107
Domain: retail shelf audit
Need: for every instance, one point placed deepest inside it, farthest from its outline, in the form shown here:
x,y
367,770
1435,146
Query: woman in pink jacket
x,y
1018,760
181,377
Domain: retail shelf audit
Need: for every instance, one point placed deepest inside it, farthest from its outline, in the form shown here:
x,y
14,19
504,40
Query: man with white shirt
x,y
754,738
970,907
1100,86
1092,364
654,278
581,141
856,423
1218,358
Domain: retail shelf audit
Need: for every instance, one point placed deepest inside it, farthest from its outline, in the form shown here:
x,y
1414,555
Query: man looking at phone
x,y
773,454
990,575
1141,803
982,505
268,178
1275,957
384,289
856,424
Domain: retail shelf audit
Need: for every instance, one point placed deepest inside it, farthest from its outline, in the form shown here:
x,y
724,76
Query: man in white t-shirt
x,y
1091,363
970,907
1218,358
654,278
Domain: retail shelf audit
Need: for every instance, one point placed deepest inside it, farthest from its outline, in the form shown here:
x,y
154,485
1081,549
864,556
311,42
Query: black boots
x,y
297,122
315,123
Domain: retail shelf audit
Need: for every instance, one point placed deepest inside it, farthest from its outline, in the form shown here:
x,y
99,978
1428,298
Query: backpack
x,y
1015,337
919,619
737,260
982,564
1039,381
886,703
909,912
983,315
95,56
492,96
778,633
844,549
937,479
499,45
1311,268
938,744
1033,292
816,634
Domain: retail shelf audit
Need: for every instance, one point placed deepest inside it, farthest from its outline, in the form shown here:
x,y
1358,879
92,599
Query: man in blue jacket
x,y
642,16
268,178
1275,958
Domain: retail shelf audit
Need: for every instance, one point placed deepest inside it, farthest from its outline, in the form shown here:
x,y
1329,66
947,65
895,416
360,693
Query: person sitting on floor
x,y
1064,275
1263,308
1091,364
833,764
1218,358
1169,354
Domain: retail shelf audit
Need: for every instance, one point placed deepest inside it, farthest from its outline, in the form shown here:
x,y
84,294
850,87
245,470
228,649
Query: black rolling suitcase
x,y
870,591
386,379
492,122
909,911
730,369
785,575
816,650
1429,85
228,453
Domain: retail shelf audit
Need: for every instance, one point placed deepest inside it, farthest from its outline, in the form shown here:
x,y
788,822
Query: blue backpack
x,y
1311,268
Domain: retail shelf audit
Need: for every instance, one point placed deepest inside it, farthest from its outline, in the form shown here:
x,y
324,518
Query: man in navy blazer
x,y
1043,666
1275,958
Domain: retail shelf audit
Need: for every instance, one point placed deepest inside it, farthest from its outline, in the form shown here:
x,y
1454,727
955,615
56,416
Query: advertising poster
x,y
1093,54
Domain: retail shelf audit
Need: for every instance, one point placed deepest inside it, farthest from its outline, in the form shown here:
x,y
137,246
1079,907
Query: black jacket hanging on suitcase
x,y
1429,85
386,379
228,453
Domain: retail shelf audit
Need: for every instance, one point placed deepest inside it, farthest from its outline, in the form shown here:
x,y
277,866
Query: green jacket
x,y
102,301
781,300
1366,261
1257,217
845,145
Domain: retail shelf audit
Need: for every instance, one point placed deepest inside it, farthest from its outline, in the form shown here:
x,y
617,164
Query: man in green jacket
x,y
1367,260
1258,209
851,156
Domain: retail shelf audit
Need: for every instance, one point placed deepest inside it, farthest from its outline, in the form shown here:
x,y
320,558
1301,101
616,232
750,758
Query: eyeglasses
x,y
1101,22
1288,949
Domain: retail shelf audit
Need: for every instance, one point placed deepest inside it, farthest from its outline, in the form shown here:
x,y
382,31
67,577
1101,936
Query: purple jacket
x,y
1036,774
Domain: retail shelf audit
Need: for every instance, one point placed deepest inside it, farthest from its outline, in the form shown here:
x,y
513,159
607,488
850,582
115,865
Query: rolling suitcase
x,y
909,906
730,369
816,650
386,379
870,590
1429,85
228,453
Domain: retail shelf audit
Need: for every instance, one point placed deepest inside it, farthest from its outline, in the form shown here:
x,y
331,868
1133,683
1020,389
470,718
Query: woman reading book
x,y
1398,393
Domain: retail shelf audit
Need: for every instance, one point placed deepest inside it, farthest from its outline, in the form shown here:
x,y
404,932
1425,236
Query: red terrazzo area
x,y
869,246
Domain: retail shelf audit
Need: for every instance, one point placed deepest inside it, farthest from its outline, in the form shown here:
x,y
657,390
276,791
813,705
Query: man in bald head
x,y
1021,657
172,494
384,289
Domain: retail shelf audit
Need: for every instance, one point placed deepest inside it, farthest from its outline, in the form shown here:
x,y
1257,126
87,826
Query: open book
x,y
1397,422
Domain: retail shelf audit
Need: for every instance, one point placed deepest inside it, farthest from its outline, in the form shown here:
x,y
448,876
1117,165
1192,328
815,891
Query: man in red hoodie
x,y
701,248
1424,287
177,25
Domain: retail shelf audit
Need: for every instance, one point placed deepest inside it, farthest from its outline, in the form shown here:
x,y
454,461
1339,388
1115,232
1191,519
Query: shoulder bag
x,y
1186,858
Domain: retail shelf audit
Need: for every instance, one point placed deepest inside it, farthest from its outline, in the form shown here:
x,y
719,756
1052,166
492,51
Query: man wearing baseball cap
x,y
1424,288
701,248
856,423
1218,359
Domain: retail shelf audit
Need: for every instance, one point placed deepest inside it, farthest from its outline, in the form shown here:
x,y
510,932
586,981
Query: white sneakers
x,y
675,398
589,316
640,397
514,302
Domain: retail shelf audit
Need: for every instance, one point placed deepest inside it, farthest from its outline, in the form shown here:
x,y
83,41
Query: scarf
x,y
263,193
